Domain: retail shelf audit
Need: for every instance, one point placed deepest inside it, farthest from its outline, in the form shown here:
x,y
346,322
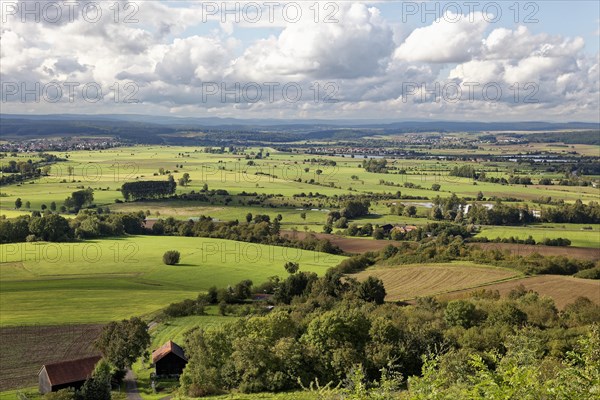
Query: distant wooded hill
x,y
172,130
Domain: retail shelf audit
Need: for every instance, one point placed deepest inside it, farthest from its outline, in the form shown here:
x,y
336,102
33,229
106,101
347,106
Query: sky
x,y
391,60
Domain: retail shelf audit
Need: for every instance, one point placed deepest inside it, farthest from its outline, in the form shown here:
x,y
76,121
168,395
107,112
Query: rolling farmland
x,y
562,289
407,282
51,283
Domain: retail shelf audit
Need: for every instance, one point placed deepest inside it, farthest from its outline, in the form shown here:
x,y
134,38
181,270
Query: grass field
x,y
106,170
573,232
103,280
407,282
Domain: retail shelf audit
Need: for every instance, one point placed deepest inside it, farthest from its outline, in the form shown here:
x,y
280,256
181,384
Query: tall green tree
x,y
372,290
122,343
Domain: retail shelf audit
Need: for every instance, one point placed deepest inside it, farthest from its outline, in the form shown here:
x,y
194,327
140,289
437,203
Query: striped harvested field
x,y
563,289
417,280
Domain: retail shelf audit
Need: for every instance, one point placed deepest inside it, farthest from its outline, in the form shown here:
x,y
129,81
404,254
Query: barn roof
x,y
169,347
70,371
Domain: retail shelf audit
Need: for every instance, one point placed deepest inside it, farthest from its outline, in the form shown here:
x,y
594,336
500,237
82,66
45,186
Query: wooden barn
x,y
66,374
169,359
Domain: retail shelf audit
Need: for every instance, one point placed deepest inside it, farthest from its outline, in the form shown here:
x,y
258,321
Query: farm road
x,y
131,386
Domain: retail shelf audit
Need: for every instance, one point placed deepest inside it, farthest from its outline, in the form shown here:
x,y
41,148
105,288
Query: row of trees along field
x,y
88,224
453,208
148,189
19,171
53,227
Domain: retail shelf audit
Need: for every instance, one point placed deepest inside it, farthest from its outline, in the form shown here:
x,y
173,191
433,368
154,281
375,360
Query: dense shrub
x,y
591,273
185,308
171,257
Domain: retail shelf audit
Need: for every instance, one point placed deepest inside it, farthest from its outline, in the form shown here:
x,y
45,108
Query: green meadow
x,y
579,236
104,280
106,170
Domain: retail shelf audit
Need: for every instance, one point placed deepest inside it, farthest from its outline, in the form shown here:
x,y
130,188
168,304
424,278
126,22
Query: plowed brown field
x,y
23,350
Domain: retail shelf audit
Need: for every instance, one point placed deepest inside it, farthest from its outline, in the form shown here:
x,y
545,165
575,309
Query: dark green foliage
x,y
355,208
171,257
372,290
51,228
123,342
460,313
376,166
447,245
506,314
20,171
294,285
54,228
97,387
556,242
148,189
355,263
576,213
465,171
521,373
242,290
80,199
581,311
185,308
591,273
581,137
211,295
291,267
94,389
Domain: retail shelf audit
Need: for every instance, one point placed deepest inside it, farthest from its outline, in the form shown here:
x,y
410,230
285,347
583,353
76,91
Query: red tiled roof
x,y
169,347
70,371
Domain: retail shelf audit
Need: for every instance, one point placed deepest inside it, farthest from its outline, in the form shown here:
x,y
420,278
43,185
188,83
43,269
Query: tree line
x,y
53,227
148,189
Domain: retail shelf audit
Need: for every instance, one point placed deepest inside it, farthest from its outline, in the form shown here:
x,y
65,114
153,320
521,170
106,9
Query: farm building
x,y
405,228
66,374
169,359
387,228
